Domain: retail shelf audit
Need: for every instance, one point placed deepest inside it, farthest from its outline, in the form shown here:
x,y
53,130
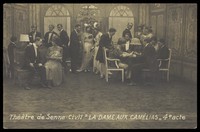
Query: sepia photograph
x,y
100,66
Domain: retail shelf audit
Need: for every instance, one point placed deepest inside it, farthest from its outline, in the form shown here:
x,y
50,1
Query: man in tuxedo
x,y
75,47
105,41
49,35
125,43
150,56
147,59
34,34
33,63
64,40
163,52
127,30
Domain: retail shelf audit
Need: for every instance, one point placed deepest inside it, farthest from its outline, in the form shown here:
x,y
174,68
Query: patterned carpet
x,y
85,101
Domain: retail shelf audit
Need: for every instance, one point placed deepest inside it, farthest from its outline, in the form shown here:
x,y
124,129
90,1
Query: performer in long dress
x,y
96,65
88,44
53,65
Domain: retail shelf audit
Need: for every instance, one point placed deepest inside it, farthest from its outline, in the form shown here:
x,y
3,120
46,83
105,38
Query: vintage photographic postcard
x,y
57,74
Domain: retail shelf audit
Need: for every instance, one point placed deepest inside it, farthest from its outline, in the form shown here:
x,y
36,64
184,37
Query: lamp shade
x,y
135,41
24,38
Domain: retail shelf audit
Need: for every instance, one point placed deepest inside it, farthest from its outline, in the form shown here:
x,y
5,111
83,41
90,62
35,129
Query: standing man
x,y
34,34
105,41
11,48
128,31
75,47
49,35
64,40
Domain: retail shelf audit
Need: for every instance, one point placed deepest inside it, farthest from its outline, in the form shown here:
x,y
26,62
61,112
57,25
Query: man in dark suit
x,y
105,41
150,59
75,47
11,48
125,43
64,40
147,59
163,52
34,34
49,36
127,31
33,63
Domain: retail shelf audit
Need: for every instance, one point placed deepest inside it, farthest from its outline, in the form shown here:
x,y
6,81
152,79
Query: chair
x,y
109,68
20,74
167,67
161,68
6,63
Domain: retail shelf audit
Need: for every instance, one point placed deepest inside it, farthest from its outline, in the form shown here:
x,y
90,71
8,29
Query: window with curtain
x,y
57,14
118,19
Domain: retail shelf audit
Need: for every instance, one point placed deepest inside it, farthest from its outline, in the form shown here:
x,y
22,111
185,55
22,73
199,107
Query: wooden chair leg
x,y
15,77
122,75
167,76
93,66
106,76
63,76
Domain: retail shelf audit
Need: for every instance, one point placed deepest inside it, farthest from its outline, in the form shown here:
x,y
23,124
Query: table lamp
x,y
24,39
135,41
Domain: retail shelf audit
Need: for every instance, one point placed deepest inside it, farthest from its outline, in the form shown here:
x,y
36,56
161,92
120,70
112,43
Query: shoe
x,y
43,85
101,76
79,70
27,88
49,86
96,72
109,73
132,84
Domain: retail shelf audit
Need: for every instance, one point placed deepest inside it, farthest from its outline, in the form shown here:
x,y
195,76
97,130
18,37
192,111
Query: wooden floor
x,y
88,95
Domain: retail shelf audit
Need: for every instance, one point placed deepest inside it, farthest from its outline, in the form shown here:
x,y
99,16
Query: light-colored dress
x,y
96,65
87,40
53,65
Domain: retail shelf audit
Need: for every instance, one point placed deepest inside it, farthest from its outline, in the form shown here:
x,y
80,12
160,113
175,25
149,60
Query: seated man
x,y
150,59
147,59
33,63
125,43
131,57
163,52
